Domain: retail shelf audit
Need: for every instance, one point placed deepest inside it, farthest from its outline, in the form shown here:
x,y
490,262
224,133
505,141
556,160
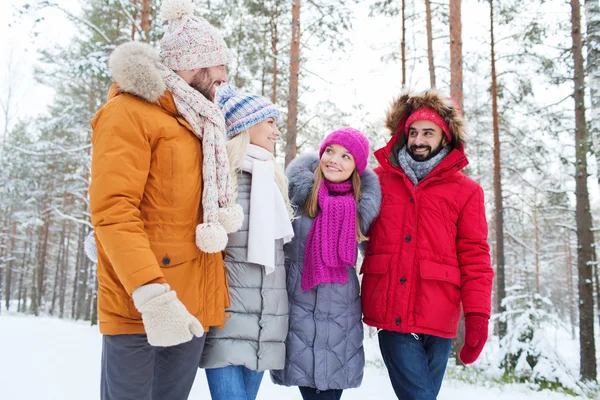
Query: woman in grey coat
x,y
252,339
337,198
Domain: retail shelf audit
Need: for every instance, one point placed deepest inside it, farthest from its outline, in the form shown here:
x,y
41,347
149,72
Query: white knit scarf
x,y
207,121
269,219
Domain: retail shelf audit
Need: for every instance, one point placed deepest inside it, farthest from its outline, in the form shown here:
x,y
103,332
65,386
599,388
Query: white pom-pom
x,y
211,237
224,93
89,246
175,9
231,218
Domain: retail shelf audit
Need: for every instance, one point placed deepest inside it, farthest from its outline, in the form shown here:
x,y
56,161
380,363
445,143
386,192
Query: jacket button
x,y
403,280
398,321
407,239
412,200
166,261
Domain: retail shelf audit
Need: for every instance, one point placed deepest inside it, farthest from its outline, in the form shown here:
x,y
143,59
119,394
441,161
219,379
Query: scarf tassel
x,y
231,217
211,237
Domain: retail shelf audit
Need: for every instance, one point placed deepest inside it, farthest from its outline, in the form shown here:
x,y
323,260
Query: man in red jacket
x,y
428,252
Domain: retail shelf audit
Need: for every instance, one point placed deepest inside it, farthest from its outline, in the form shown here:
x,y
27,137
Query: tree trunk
x,y
403,44
9,266
456,78
430,44
146,19
79,261
83,289
592,18
63,273
570,288
498,207
456,94
94,306
274,42
134,17
597,283
537,248
585,237
22,305
40,274
59,262
292,122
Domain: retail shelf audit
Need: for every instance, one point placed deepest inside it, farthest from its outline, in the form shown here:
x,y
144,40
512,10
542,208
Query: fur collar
x,y
408,102
134,67
300,174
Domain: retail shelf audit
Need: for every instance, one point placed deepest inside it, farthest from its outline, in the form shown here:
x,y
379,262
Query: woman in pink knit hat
x,y
336,198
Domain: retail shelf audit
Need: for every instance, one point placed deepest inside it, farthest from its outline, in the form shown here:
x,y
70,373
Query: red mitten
x,y
476,334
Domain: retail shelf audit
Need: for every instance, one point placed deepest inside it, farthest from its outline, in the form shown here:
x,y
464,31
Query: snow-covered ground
x,y
52,359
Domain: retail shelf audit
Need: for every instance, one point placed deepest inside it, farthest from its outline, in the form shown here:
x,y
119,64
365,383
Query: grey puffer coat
x,y
325,339
254,335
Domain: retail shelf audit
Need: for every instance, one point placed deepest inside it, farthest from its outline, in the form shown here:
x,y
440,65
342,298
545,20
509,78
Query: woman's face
x,y
337,164
264,134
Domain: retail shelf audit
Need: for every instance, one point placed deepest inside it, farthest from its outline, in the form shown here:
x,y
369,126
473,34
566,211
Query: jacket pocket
x,y
375,285
170,255
176,260
438,297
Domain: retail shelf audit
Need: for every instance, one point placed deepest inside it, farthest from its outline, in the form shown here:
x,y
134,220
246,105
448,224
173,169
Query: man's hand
x,y
166,320
476,334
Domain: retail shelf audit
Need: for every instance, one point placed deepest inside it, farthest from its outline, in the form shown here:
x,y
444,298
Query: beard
x,y
204,84
423,157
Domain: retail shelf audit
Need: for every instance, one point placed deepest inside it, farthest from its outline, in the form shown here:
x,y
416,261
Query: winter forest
x,y
525,73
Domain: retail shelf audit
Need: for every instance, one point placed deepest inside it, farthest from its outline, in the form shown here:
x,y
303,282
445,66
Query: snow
x,y
52,359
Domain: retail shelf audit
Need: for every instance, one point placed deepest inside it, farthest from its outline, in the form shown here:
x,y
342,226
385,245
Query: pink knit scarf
x,y
331,243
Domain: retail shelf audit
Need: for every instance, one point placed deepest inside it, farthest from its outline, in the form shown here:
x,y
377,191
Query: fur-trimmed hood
x,y
135,68
301,177
408,102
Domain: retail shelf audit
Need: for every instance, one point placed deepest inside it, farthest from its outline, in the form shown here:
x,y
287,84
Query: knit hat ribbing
x,y
354,141
243,110
189,41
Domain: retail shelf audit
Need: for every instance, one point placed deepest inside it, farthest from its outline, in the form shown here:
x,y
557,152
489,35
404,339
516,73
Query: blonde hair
x,y
236,152
312,203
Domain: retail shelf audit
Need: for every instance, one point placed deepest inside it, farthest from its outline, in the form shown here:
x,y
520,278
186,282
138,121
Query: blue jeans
x,y
234,382
416,365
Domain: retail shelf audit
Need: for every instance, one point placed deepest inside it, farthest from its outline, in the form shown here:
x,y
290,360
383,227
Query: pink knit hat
x,y
354,141
428,114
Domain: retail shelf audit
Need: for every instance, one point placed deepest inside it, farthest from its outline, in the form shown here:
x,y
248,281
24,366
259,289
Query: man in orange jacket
x,y
160,202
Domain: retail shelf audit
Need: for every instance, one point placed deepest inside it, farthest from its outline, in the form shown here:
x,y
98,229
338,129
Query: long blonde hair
x,y
236,152
312,202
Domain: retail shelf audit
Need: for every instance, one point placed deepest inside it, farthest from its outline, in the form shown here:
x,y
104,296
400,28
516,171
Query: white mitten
x,y
167,321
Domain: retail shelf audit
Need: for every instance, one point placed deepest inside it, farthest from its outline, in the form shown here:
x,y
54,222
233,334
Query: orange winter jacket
x,y
145,201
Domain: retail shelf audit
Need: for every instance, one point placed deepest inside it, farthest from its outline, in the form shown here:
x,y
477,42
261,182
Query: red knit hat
x,y
428,114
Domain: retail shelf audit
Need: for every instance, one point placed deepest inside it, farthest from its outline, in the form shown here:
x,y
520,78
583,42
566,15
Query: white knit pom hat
x,y
190,42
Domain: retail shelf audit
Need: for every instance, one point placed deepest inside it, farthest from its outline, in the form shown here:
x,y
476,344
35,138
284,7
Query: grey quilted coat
x,y
325,338
254,335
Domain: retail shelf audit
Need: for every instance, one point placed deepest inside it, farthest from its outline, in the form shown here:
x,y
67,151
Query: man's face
x,y
206,80
425,140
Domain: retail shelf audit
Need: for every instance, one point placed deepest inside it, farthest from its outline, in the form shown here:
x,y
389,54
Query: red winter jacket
x,y
427,251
